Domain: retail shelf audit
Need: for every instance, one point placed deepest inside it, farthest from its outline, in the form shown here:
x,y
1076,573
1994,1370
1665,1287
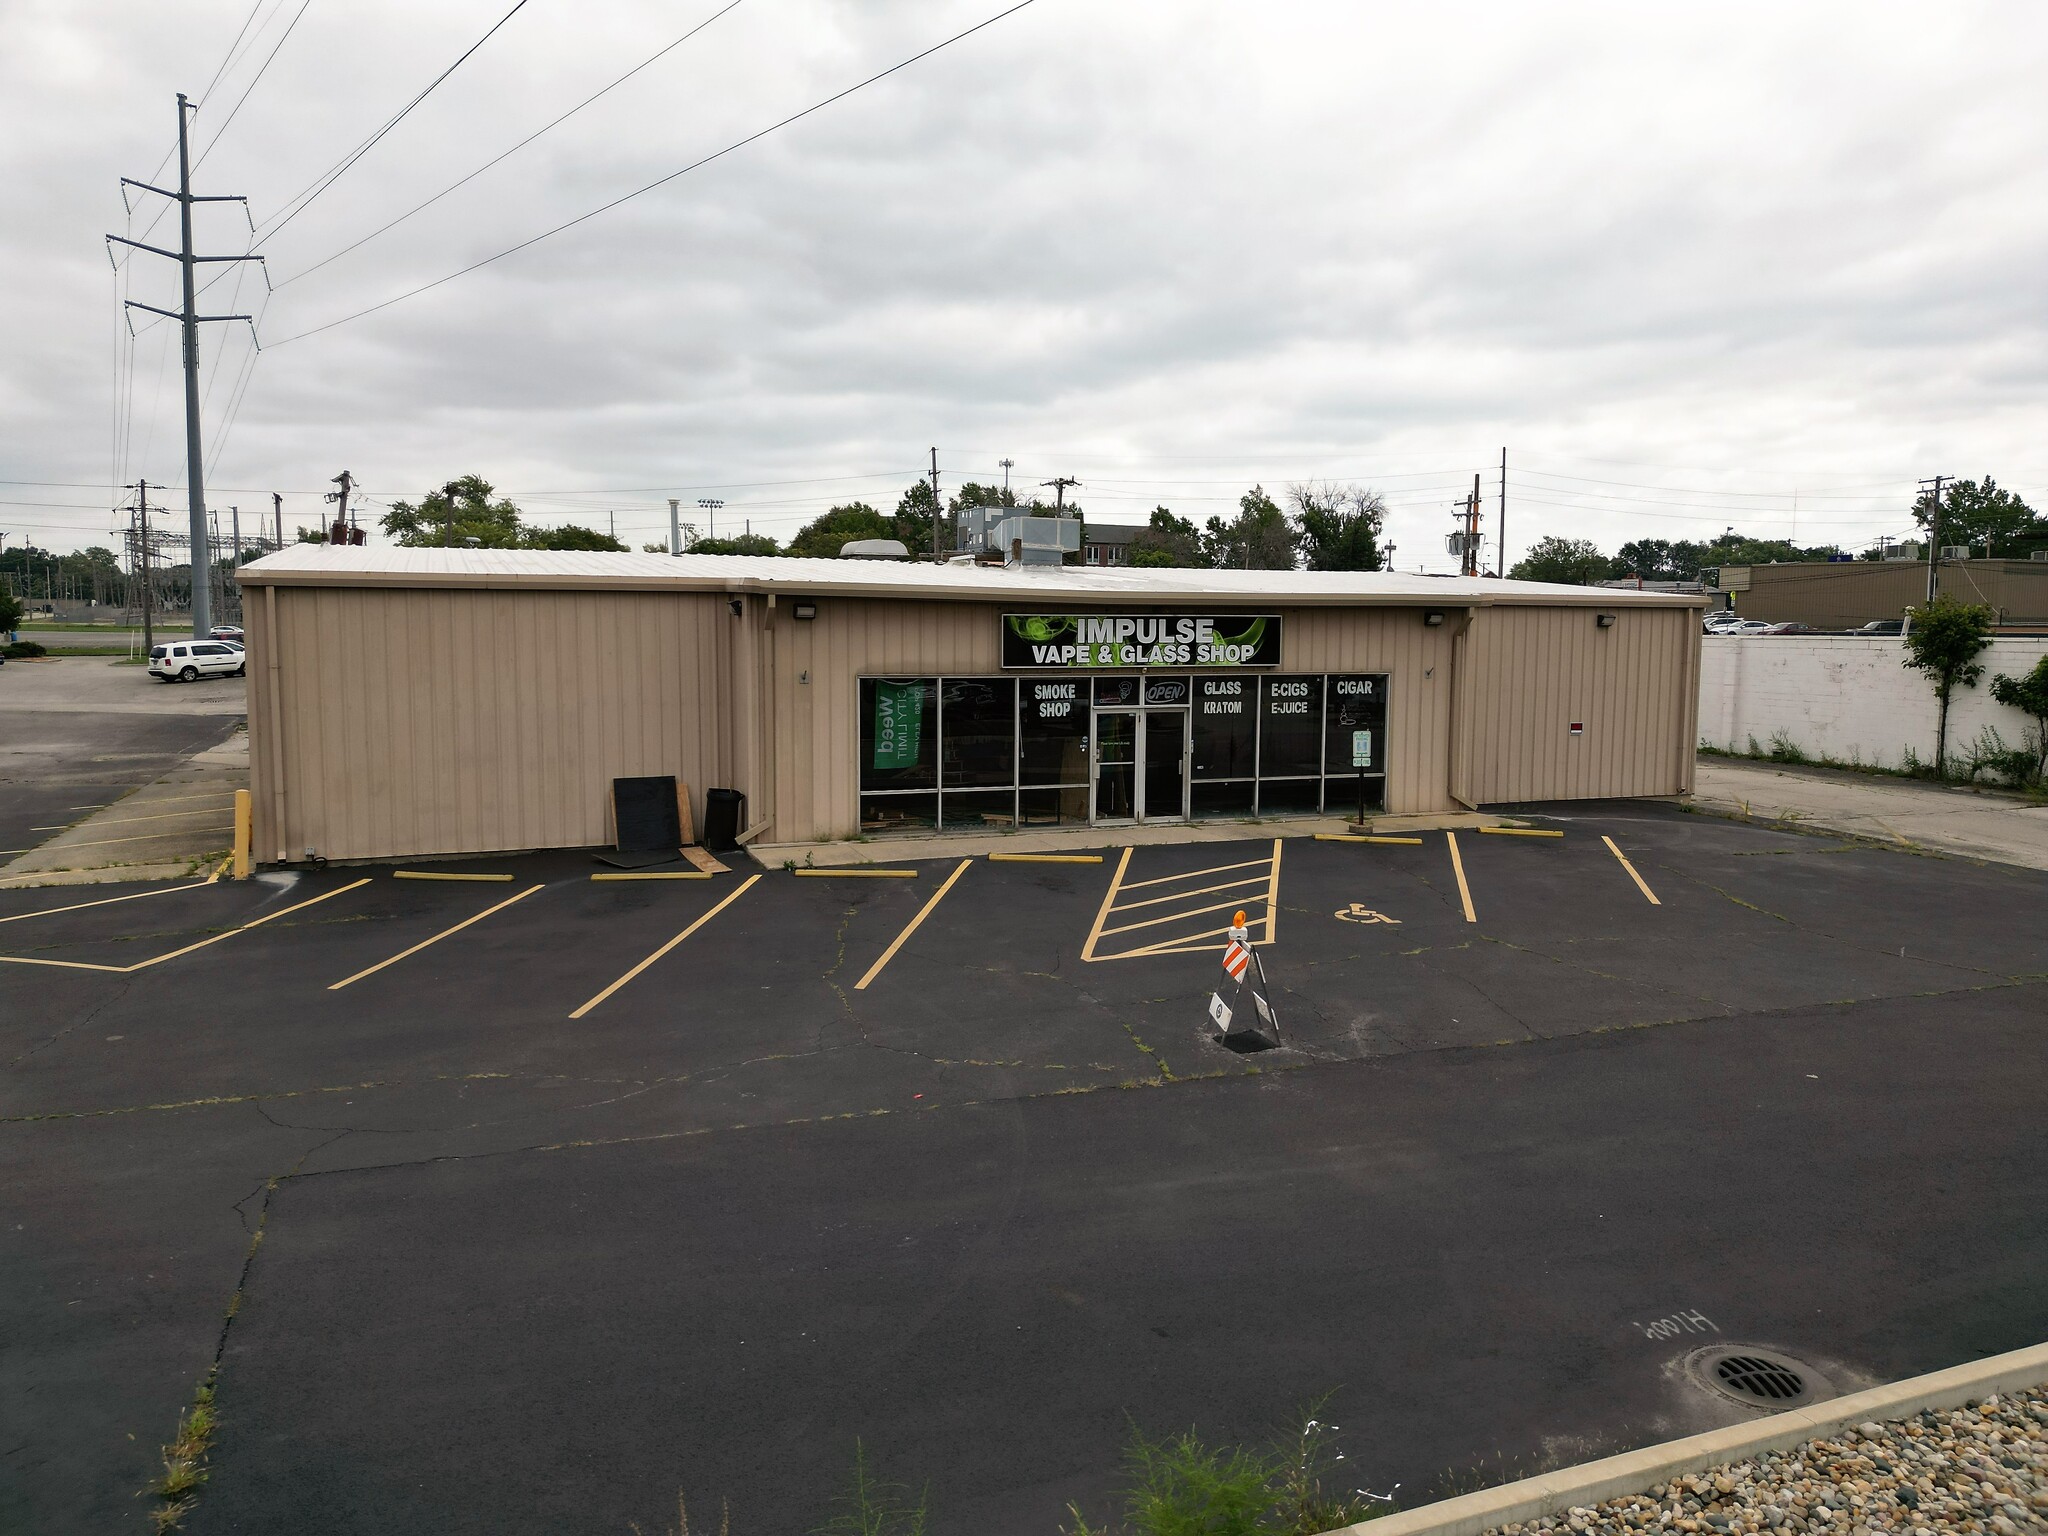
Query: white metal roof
x,y
388,566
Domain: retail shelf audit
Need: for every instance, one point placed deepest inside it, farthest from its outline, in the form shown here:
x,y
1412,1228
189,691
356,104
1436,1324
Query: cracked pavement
x,y
511,1263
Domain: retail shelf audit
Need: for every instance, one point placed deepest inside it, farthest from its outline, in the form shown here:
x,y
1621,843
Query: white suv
x,y
190,660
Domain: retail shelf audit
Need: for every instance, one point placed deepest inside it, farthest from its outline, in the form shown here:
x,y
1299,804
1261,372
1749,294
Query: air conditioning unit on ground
x,y
1955,551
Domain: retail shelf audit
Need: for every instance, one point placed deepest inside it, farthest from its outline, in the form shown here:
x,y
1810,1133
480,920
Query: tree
x,y
2028,693
1257,539
10,611
1572,562
1943,640
1167,540
1337,527
1986,516
821,539
743,544
568,536
494,525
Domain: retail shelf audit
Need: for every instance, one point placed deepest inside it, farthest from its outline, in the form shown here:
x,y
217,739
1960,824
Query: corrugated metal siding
x,y
1533,671
470,722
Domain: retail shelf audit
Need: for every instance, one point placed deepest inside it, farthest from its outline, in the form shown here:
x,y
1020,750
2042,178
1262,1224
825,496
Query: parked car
x,y
1882,627
189,660
1721,622
1788,629
226,632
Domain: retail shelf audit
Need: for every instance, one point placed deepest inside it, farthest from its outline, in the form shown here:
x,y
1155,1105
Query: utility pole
x,y
235,514
675,525
1500,528
1059,484
614,525
189,319
936,555
711,504
1934,536
277,509
448,515
142,562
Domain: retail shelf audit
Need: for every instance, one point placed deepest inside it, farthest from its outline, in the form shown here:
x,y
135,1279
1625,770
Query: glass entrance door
x,y
1165,766
1116,765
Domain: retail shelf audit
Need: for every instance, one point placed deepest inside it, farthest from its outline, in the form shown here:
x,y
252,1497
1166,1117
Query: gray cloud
x,y
1169,247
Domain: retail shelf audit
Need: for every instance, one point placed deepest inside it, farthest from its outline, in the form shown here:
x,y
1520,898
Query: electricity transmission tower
x,y
189,319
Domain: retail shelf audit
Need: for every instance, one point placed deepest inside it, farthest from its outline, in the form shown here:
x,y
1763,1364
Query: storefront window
x,y
978,730
967,809
1358,707
1226,727
899,733
1229,798
899,812
1053,720
1290,727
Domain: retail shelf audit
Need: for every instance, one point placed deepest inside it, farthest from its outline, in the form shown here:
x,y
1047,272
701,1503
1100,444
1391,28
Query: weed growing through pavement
x,y
185,1460
682,1525
1179,1486
870,1507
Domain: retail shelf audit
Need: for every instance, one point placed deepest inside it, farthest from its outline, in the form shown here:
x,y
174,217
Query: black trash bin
x,y
725,812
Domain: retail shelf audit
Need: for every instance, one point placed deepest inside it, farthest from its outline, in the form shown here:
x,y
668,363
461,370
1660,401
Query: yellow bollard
x,y
243,821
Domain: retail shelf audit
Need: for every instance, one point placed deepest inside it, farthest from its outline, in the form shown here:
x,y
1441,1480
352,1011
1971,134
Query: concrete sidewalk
x,y
165,830
1978,824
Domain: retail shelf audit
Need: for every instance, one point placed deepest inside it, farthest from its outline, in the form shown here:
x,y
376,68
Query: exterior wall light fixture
x,y
1604,620
1433,617
803,610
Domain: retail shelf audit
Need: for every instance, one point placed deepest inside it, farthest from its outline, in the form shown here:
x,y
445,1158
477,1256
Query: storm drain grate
x,y
1767,1379
1761,1377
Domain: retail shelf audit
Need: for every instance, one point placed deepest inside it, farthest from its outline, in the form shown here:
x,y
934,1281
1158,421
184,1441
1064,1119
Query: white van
x,y
190,660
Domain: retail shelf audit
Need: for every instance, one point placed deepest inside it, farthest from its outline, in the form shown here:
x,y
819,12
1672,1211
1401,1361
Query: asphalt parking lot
x,y
572,1192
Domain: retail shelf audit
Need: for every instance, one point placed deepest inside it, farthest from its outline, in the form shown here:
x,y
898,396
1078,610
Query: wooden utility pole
x,y
277,509
936,555
1500,527
1934,537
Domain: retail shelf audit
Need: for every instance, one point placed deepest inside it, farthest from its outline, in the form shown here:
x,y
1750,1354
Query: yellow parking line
x,y
1045,858
435,874
1458,867
1102,913
857,874
1641,884
104,901
143,965
923,912
1207,890
1175,917
437,938
740,891
1185,944
1190,874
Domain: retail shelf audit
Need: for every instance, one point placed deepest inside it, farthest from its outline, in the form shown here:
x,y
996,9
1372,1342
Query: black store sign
x,y
1085,641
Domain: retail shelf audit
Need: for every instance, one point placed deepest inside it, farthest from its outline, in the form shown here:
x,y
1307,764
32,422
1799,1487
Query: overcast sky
x,y
1686,264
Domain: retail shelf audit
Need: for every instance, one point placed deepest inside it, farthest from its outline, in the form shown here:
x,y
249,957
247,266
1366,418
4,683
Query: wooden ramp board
x,y
704,861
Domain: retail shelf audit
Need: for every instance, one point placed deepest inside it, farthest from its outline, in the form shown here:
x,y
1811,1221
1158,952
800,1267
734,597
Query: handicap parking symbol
x,y
1357,912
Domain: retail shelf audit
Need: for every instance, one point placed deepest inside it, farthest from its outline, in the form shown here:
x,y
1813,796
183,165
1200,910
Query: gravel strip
x,y
1979,1468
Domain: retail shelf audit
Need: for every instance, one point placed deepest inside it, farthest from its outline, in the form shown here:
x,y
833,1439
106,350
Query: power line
x,y
227,58
260,73
663,181
302,201
472,176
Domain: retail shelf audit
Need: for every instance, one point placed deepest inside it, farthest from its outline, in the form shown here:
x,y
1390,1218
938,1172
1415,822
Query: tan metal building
x,y
1847,594
417,701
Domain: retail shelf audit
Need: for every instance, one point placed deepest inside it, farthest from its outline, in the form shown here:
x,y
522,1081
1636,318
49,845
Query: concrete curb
x,y
1593,1482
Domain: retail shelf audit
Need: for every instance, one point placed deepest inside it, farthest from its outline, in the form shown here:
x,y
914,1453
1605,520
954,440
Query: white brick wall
x,y
1847,698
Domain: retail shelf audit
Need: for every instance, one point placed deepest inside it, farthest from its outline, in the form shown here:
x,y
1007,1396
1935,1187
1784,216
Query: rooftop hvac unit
x,y
1043,540
1955,551
2038,554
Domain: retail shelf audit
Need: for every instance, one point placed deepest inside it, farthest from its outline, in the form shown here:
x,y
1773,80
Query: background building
x,y
1848,594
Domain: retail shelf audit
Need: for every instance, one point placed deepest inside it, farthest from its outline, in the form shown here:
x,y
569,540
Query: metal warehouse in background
x,y
424,701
